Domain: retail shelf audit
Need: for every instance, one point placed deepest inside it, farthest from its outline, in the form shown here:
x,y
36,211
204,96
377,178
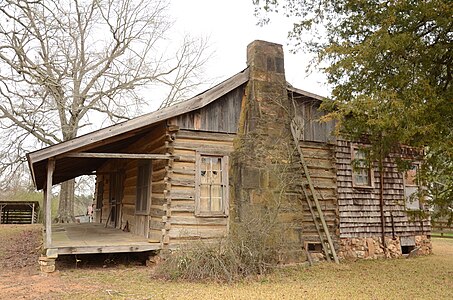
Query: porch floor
x,y
87,238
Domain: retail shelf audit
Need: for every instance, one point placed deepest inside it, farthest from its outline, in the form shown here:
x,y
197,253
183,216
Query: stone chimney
x,y
263,145
266,89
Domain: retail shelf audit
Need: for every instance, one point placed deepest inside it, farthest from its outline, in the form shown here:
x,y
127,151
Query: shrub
x,y
253,247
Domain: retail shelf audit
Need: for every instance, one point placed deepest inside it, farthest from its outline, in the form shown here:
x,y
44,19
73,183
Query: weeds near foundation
x,y
254,247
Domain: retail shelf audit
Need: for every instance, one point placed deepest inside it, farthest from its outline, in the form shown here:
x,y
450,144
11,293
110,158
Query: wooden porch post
x,y
33,213
47,202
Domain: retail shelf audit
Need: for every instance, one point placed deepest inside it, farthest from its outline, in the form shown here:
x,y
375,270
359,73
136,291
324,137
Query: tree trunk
x,y
66,205
66,199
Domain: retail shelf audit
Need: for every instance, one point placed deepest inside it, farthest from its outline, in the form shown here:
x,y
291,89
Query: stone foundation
x,y
372,248
46,264
424,245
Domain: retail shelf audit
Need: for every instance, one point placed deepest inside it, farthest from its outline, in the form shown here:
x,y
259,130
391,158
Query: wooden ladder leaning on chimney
x,y
315,210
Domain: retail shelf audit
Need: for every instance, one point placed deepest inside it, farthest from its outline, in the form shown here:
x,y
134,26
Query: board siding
x,y
309,113
221,115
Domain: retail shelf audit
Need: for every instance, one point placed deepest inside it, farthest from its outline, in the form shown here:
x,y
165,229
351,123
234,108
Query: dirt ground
x,y
20,277
123,277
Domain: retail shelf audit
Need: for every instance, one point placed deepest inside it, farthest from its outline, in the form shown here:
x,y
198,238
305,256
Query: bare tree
x,y
64,63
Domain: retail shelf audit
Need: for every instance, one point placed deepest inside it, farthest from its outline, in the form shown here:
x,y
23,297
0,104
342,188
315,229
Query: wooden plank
x,y
117,155
183,182
187,143
199,232
177,220
185,159
94,238
215,148
48,202
185,208
187,172
219,116
108,249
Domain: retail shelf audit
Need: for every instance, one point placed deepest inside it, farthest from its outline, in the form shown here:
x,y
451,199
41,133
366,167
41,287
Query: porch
x,y
89,238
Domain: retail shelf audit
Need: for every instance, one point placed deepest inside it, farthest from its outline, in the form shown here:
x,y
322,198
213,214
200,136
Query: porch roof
x,y
114,138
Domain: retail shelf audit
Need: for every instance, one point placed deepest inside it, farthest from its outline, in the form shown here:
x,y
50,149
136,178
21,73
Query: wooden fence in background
x,y
442,228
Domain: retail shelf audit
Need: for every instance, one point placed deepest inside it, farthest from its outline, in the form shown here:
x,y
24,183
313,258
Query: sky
x,y
231,26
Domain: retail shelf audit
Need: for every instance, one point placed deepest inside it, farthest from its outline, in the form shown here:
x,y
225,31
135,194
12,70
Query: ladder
x,y
323,231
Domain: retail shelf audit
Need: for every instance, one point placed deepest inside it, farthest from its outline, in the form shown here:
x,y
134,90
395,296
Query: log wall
x,y
359,208
156,142
182,224
320,160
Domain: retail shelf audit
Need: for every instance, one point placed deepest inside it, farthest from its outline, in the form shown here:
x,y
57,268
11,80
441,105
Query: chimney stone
x,y
261,147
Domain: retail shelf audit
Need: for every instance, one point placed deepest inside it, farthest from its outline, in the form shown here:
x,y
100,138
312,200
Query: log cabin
x,y
186,172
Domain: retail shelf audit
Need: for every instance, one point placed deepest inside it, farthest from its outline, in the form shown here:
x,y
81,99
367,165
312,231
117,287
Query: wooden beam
x,y
44,207
117,155
81,249
47,202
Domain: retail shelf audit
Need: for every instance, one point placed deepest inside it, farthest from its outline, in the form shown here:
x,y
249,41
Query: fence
x,y
442,228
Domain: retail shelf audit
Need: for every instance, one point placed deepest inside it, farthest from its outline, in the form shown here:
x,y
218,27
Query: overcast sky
x,y
231,26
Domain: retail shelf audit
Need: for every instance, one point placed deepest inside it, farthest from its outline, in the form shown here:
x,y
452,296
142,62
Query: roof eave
x,y
305,93
149,119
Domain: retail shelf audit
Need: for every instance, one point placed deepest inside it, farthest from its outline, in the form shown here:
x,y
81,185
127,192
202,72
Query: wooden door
x,y
143,198
115,197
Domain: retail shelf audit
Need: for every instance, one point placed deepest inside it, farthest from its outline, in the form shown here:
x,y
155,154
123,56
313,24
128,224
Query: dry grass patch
x,y
429,277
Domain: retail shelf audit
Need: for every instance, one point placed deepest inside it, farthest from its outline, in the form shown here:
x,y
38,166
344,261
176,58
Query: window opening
x,y
411,187
212,186
362,172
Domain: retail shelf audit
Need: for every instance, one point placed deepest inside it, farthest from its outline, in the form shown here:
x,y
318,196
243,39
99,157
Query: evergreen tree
x,y
390,65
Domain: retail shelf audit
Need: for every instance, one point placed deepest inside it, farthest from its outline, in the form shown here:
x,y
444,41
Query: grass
x,y
429,277
445,234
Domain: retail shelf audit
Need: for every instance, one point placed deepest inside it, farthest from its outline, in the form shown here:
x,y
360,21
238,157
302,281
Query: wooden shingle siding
x,y
359,208
184,224
219,116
